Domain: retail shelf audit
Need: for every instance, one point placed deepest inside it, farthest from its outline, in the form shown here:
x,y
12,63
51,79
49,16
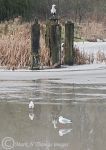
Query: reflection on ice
x,y
52,100
31,116
54,123
46,91
64,131
88,125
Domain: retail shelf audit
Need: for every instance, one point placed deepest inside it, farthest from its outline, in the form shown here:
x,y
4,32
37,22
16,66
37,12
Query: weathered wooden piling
x,y
35,44
69,41
53,41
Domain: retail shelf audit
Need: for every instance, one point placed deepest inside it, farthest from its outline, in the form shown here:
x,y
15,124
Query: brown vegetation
x,y
82,57
15,45
92,31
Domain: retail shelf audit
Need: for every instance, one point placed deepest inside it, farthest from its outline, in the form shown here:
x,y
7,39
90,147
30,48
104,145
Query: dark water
x,y
83,104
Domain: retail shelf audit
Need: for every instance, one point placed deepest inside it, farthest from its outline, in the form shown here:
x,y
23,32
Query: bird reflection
x,y
31,116
64,131
54,123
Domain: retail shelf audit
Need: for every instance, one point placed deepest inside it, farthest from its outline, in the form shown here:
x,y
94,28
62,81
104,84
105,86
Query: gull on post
x,y
53,10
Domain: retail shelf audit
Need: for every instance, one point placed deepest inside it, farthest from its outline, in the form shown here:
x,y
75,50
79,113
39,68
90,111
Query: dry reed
x,y
15,44
92,30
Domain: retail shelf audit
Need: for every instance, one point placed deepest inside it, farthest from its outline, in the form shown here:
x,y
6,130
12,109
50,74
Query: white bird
x,y
31,116
64,131
62,47
53,10
31,105
64,120
54,123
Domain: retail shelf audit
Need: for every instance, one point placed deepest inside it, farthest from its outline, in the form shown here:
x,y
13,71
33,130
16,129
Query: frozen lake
x,y
87,131
77,93
91,47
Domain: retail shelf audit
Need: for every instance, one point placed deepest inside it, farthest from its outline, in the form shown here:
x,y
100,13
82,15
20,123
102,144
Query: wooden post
x,y
35,38
47,35
69,41
53,41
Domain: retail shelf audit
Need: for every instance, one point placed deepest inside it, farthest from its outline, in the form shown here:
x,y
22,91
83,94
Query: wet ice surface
x,y
55,93
46,91
83,104
88,126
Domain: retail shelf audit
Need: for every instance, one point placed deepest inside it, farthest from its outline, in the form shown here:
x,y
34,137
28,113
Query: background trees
x,y
75,9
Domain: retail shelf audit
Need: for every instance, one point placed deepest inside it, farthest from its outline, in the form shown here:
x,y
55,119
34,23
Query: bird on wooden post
x,y
53,10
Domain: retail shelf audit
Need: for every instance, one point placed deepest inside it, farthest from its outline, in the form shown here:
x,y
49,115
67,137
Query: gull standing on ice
x,y
53,10
64,120
31,105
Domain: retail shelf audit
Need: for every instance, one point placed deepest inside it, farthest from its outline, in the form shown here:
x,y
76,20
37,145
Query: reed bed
x,y
15,44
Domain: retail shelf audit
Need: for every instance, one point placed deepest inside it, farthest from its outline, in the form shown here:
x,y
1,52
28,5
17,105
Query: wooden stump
x,y
53,41
69,41
35,46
